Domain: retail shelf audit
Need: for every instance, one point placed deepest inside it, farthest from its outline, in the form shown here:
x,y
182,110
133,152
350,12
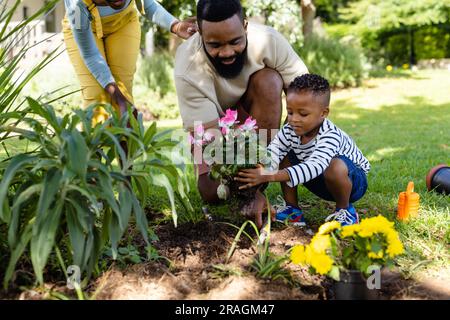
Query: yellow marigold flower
x,y
395,246
329,227
320,243
321,262
378,224
348,231
298,254
374,255
389,68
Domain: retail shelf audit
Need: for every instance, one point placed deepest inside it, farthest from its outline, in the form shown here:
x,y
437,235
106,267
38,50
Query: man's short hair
x,y
218,10
313,83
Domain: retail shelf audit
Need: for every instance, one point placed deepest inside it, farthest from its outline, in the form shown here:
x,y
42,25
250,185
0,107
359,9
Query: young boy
x,y
312,151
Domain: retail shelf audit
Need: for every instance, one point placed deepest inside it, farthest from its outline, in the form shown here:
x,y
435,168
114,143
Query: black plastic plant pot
x,y
353,286
438,179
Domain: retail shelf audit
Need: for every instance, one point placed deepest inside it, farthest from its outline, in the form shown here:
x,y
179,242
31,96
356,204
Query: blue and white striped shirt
x,y
316,155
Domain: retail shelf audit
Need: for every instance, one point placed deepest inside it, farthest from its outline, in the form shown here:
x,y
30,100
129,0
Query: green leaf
x,y
16,164
77,153
47,222
334,273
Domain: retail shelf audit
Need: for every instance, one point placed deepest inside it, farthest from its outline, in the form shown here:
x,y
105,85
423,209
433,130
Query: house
x,y
45,33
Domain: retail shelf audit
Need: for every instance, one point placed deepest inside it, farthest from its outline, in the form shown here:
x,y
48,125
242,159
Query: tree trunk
x,y
308,15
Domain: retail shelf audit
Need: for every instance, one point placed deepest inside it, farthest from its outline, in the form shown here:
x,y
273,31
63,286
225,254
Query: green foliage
x,y
283,15
72,185
157,73
383,15
11,54
340,64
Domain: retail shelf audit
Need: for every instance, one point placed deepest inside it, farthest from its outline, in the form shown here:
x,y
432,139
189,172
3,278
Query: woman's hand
x,y
185,29
252,177
118,97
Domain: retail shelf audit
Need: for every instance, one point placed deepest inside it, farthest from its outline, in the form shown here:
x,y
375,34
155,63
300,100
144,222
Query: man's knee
x,y
266,82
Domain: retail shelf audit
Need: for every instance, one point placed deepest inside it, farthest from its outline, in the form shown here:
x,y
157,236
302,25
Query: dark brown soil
x,y
198,270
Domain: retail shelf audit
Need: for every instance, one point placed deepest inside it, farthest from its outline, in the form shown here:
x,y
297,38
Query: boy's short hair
x,y
218,10
314,83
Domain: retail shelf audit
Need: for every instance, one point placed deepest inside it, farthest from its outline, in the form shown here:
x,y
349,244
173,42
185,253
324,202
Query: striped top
x,y
316,155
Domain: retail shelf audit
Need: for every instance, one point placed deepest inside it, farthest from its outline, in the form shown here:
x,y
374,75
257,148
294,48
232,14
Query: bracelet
x,y
177,27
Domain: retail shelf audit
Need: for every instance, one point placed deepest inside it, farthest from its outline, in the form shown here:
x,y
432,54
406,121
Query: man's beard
x,y
229,71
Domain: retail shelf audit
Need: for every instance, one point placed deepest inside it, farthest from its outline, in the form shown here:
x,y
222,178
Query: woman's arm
x,y
157,14
78,16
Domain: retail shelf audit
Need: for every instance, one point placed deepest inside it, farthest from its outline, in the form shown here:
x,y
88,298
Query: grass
x,y
402,125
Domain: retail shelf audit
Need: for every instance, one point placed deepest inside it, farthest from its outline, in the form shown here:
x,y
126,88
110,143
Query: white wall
x,y
33,6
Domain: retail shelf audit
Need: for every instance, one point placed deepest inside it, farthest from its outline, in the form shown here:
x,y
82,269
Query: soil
x,y
198,270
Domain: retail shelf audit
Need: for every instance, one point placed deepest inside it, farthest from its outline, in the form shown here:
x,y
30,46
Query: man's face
x,y
305,112
116,4
225,44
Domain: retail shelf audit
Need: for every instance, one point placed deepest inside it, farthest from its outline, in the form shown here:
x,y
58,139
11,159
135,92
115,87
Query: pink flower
x,y
225,130
229,119
249,125
208,136
191,139
199,131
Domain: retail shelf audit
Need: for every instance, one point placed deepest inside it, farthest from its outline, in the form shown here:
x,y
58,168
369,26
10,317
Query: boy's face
x,y
306,112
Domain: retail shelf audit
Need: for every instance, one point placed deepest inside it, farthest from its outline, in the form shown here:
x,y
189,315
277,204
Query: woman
x,y
102,38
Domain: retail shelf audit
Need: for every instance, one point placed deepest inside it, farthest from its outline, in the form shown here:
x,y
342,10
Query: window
x,y
25,12
50,20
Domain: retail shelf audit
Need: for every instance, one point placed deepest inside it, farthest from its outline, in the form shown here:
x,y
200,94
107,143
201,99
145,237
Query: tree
x,y
378,19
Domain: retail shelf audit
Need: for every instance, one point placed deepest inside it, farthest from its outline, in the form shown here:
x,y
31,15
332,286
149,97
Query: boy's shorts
x,y
317,185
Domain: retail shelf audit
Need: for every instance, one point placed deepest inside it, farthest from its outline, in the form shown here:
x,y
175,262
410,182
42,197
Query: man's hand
x,y
185,29
252,177
257,209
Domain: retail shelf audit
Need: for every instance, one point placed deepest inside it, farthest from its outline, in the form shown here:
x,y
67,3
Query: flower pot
x,y
438,179
353,286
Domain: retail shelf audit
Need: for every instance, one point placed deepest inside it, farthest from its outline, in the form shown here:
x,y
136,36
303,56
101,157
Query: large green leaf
x,y
15,164
47,221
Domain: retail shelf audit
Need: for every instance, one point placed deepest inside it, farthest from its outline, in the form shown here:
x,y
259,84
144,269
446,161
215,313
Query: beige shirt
x,y
203,95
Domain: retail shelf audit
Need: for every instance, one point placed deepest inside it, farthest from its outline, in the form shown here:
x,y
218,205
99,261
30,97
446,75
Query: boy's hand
x,y
252,177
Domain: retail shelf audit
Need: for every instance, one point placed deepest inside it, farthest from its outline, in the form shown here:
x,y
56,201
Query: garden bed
x,y
197,270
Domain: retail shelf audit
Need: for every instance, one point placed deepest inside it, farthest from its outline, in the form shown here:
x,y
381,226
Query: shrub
x,y
156,73
340,64
71,195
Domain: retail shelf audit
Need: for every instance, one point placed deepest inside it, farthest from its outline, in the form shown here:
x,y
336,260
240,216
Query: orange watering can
x,y
408,203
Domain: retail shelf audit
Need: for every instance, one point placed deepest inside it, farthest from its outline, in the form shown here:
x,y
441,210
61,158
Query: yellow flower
x,y
405,66
395,246
389,68
378,224
320,243
350,230
321,262
329,227
298,255
374,255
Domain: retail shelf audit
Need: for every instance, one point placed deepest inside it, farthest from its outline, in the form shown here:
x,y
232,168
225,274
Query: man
x,y
232,62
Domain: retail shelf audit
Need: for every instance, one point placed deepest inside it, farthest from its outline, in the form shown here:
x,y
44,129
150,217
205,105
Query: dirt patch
x,y
197,270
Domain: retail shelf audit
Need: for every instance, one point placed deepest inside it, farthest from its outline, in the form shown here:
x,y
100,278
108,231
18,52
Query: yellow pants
x,y
119,46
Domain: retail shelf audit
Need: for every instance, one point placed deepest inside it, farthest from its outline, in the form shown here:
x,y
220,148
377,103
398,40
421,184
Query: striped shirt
x,y
316,155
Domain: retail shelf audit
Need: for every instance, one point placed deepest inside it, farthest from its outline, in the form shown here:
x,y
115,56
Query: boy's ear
x,y
245,24
325,112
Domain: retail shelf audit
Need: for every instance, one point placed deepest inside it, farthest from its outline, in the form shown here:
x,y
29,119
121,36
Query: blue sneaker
x,y
345,217
292,215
